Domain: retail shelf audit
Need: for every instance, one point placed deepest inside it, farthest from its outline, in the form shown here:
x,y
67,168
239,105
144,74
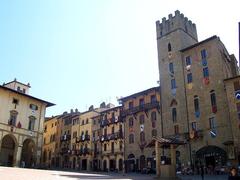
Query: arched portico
x,y
8,150
28,153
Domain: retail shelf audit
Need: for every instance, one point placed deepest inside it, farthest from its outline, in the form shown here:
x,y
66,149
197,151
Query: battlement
x,y
178,21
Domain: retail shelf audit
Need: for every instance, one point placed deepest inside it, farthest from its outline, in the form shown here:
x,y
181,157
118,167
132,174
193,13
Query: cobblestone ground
x,y
7,173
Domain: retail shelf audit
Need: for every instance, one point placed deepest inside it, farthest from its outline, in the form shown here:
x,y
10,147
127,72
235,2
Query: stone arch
x,y
28,155
8,150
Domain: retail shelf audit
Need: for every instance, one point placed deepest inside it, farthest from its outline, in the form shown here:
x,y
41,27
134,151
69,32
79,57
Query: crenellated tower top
x,y
176,22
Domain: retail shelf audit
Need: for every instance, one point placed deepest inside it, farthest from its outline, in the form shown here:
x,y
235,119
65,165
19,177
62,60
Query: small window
x,y
131,122
204,54
130,105
31,123
82,122
18,88
15,101
212,123
174,114
189,78
94,121
13,118
153,98
169,47
153,116
171,69
188,61
194,126
87,121
141,119
24,90
173,84
141,102
205,72
213,98
196,104
142,137
176,129
131,138
105,147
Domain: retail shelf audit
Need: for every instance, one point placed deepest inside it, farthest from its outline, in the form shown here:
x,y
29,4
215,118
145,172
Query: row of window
x,y
142,102
142,136
196,106
188,62
142,119
31,106
13,119
112,147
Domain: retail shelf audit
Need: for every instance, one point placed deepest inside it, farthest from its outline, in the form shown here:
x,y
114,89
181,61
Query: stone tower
x,y
173,34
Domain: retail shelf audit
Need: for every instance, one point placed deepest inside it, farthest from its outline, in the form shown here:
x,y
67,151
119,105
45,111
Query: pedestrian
x,y
202,171
233,174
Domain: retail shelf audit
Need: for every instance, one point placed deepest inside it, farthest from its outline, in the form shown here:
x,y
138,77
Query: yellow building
x,y
112,140
141,115
21,125
49,142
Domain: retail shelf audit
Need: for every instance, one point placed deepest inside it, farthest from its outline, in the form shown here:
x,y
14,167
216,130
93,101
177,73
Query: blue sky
x,y
79,53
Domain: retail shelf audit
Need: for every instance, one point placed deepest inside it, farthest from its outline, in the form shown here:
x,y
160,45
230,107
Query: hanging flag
x,y
237,95
213,133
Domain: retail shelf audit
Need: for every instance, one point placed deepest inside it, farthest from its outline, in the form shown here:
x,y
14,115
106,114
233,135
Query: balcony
x,y
143,107
112,136
107,122
65,137
83,138
65,151
95,139
84,151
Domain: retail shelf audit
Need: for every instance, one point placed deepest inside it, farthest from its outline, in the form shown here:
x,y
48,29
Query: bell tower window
x,y
169,47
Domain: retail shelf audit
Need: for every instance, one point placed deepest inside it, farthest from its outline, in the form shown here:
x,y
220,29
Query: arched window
x,y
141,119
169,47
154,116
142,137
131,122
131,138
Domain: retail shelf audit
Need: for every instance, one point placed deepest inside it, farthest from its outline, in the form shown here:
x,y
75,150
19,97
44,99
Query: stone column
x,y
158,158
173,159
18,153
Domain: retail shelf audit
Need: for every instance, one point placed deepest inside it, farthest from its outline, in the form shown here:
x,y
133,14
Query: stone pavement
x,y
8,173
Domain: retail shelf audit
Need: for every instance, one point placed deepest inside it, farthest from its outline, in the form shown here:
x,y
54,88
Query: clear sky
x,y
80,53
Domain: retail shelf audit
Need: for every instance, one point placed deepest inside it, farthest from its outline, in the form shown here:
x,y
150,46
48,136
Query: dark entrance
x,y
212,156
104,165
142,162
130,164
120,164
28,150
84,164
112,163
7,151
74,163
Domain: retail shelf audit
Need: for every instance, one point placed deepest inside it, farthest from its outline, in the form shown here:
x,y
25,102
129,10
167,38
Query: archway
x,y
7,151
212,156
28,153
131,163
105,165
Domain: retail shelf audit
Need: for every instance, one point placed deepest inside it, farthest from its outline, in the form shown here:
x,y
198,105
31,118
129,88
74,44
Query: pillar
x,y
158,158
18,153
173,159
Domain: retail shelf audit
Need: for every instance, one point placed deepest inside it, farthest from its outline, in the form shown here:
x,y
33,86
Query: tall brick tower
x,y
173,34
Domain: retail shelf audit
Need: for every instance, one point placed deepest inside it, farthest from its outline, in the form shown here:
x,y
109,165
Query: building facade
x,y
49,142
141,115
21,125
194,103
